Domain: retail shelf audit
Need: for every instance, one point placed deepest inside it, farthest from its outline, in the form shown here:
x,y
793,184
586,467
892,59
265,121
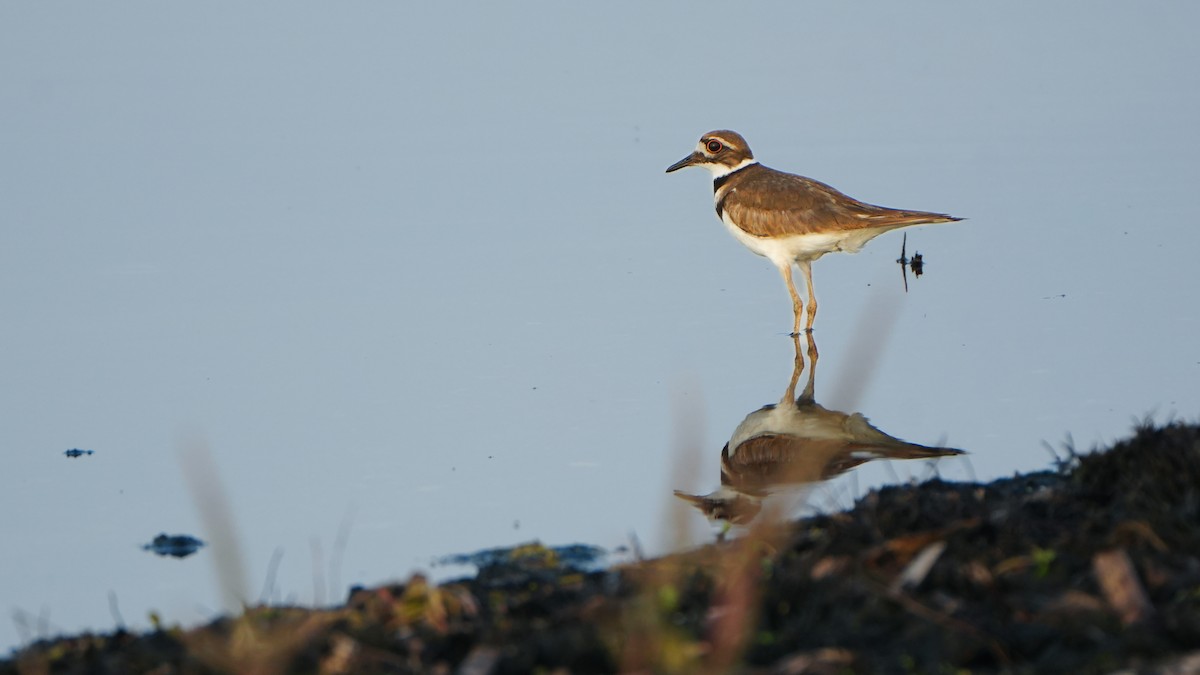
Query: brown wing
x,y
770,203
770,459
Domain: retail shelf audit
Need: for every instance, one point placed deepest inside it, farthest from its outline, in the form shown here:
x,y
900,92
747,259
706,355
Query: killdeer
x,y
789,219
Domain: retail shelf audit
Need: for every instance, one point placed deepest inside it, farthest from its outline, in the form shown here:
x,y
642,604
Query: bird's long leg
x,y
806,268
797,304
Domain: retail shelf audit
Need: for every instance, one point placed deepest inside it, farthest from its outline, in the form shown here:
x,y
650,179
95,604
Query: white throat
x,y
720,170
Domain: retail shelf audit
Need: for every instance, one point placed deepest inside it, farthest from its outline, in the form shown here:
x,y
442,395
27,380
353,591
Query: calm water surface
x,y
382,284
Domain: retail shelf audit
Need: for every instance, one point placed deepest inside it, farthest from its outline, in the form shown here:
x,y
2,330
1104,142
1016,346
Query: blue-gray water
x,y
415,274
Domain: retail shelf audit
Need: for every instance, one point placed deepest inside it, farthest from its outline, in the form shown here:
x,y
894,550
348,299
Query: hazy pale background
x,y
413,270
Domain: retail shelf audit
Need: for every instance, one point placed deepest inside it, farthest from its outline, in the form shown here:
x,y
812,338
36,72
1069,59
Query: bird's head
x,y
721,152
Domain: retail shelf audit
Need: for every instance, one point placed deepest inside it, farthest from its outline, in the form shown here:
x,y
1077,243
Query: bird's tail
x,y
890,218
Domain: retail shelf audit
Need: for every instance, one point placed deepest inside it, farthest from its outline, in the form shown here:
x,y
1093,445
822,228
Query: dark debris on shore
x,y
1091,568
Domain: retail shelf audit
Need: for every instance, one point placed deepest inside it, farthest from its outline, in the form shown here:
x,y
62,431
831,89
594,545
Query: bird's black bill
x,y
685,162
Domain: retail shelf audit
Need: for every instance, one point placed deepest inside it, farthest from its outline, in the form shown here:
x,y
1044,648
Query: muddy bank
x,y
1091,567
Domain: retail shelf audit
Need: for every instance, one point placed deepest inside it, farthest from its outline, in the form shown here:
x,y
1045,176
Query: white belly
x,y
811,422
797,248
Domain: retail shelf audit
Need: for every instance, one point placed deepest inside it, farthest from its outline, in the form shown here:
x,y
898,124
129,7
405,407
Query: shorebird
x,y
790,219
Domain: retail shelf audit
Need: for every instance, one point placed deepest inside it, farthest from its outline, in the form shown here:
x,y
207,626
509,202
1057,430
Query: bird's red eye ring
x,y
714,145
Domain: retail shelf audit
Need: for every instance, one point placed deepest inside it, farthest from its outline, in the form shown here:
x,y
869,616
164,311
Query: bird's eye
x,y
714,145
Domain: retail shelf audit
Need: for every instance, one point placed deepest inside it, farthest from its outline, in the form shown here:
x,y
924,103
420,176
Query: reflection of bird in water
x,y
796,442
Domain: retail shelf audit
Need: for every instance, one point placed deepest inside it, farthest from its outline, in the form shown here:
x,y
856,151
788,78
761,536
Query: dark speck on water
x,y
177,545
76,452
916,263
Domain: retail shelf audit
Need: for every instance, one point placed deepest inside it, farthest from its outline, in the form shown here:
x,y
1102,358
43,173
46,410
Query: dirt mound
x,y
1092,567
